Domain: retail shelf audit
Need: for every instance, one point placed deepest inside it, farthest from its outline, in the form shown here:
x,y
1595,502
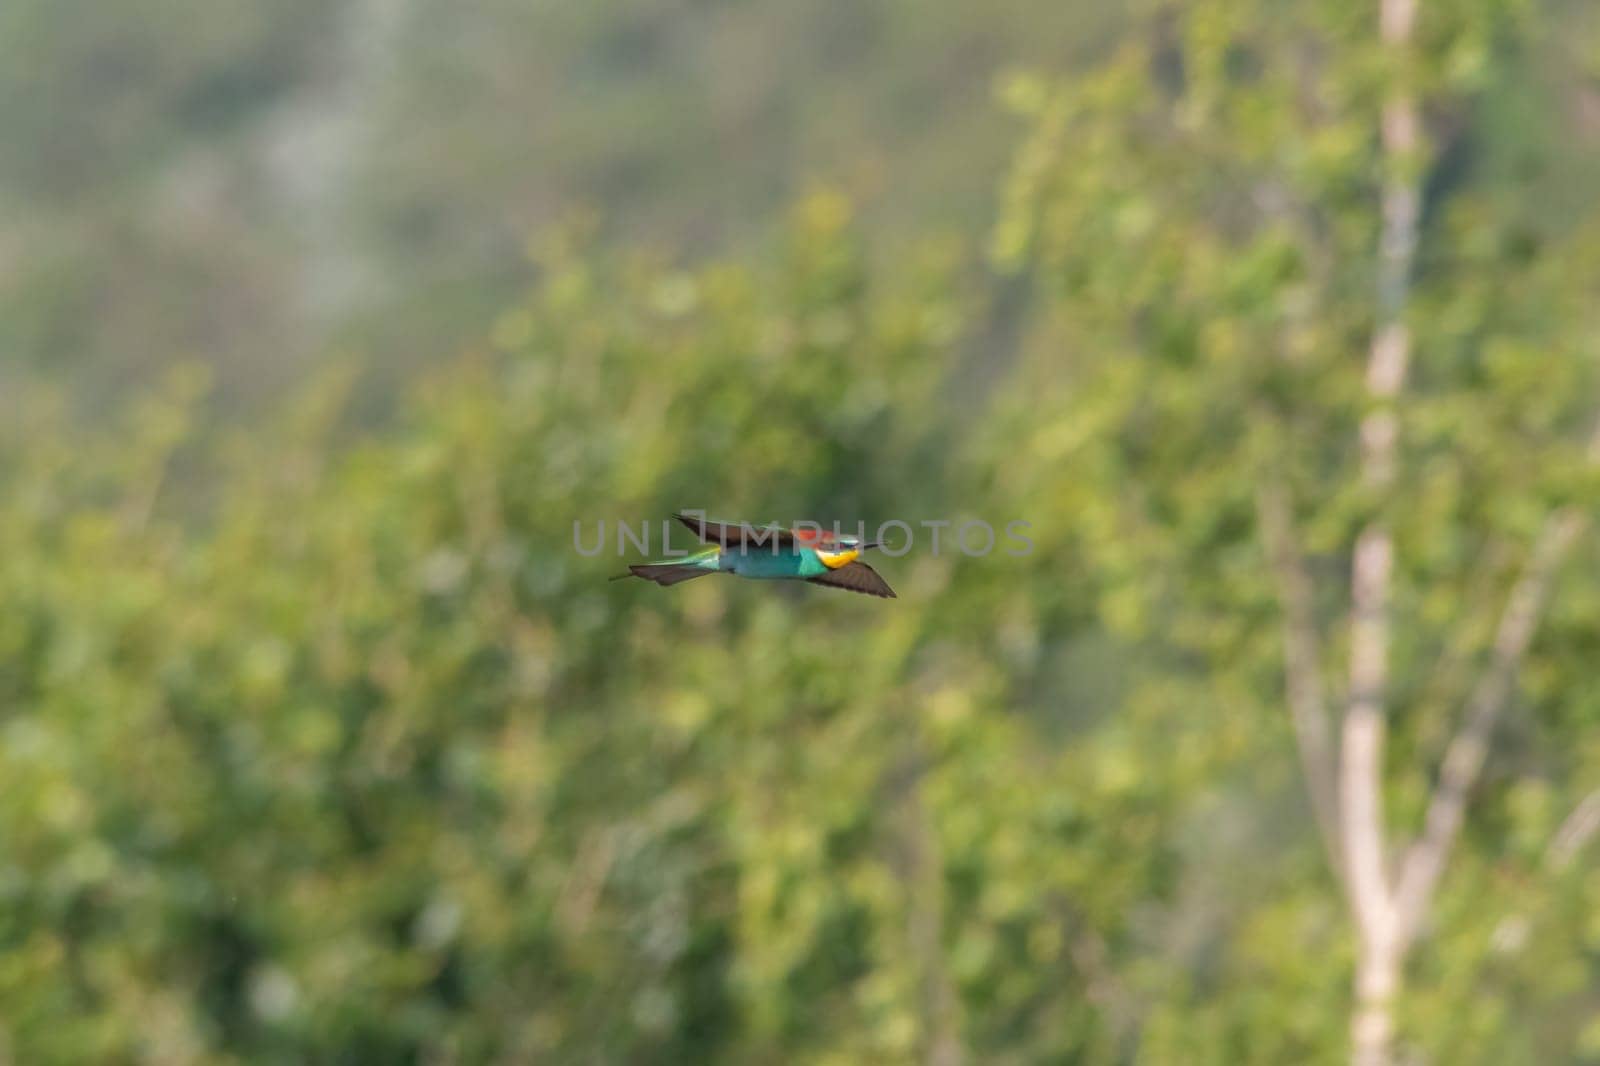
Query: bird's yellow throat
x,y
834,560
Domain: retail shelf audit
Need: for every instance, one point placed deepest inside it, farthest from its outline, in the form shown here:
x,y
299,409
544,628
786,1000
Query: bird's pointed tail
x,y
665,574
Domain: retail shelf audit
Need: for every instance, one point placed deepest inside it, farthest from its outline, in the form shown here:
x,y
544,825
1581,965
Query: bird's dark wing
x,y
666,574
857,577
736,534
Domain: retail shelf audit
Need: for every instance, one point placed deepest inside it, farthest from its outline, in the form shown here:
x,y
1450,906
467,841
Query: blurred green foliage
x,y
321,742
367,762
247,183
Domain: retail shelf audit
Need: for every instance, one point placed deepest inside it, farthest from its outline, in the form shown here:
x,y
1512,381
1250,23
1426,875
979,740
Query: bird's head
x,y
836,550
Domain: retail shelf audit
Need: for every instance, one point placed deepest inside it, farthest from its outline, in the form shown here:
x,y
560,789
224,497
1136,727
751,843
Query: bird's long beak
x,y
869,544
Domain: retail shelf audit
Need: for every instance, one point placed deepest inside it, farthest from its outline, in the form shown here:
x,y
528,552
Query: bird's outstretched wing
x,y
736,534
857,577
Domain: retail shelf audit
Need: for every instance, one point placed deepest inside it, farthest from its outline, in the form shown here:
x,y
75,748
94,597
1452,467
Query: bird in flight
x,y
770,553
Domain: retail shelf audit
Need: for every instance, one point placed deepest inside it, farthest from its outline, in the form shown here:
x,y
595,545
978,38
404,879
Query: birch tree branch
x,y
1464,757
1575,832
1302,667
1571,837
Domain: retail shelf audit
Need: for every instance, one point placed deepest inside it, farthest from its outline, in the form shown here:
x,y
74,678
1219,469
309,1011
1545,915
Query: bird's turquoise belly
x,y
761,563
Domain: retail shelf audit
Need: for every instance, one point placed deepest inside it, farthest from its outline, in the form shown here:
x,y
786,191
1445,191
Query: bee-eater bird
x,y
769,553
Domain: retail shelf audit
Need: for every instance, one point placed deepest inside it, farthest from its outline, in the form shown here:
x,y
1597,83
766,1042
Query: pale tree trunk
x,y
1380,950
1377,981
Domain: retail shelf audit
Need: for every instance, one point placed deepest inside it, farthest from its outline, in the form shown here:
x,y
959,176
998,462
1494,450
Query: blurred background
x,y
322,323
